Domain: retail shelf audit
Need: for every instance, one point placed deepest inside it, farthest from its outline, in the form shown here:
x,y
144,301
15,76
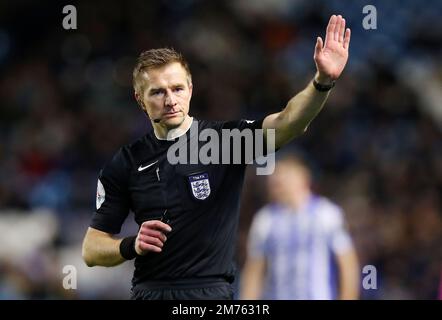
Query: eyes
x,y
161,92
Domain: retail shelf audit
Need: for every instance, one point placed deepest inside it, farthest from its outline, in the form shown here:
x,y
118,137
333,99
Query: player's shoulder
x,y
326,203
262,220
230,124
328,209
269,210
209,124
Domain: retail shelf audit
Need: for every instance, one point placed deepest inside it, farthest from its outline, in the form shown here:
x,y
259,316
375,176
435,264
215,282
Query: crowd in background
x,y
66,105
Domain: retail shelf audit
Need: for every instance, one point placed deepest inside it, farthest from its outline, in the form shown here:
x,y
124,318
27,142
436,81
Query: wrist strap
x,y
323,87
127,248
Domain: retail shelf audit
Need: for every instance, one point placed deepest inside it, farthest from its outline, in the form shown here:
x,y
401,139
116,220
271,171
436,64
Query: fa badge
x,y
200,185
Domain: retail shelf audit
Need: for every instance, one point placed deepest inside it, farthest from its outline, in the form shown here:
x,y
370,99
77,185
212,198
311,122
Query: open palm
x,y
331,57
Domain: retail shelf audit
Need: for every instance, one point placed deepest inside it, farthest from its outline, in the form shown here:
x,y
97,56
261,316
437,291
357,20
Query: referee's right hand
x,y
151,237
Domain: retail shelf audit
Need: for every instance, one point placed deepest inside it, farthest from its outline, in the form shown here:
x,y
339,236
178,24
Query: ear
x,y
136,96
140,103
190,89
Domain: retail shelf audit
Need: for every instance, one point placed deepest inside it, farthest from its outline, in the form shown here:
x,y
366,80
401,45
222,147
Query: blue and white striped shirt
x,y
299,248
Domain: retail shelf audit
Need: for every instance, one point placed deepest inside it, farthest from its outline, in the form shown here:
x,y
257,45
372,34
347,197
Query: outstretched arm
x,y
330,59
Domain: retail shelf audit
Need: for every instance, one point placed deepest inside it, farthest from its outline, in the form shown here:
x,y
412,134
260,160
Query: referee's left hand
x,y
331,57
151,237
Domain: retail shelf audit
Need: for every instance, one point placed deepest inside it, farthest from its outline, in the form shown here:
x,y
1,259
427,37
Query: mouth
x,y
171,114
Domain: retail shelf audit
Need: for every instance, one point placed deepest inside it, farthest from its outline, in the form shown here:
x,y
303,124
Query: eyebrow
x,y
152,90
156,89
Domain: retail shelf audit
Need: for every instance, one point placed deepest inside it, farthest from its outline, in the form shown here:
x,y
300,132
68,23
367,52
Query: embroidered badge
x,y
200,185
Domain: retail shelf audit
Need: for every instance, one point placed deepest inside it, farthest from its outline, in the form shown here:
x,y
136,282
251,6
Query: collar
x,y
175,133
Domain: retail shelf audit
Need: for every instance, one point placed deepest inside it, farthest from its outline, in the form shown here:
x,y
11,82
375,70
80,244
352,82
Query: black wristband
x,y
127,248
323,87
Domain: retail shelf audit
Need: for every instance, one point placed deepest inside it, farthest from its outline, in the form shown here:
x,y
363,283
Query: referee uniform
x,y
200,202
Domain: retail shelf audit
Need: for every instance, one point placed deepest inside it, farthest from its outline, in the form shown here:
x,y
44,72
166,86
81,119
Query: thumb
x,y
319,46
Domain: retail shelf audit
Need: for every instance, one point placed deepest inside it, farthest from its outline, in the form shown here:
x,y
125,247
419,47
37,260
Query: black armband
x,y
127,248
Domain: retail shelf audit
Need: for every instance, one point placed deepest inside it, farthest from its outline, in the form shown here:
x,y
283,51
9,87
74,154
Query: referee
x,y
188,213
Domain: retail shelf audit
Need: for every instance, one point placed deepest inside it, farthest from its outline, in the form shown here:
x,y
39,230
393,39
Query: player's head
x,y
163,86
291,179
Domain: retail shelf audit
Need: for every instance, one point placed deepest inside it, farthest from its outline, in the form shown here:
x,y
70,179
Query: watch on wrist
x,y
323,87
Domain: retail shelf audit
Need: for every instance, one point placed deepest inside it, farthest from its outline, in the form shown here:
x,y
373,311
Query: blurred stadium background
x,y
67,105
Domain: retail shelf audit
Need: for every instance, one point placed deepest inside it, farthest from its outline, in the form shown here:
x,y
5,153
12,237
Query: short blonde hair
x,y
156,58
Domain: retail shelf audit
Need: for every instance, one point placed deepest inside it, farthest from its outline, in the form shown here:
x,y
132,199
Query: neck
x,y
299,200
164,133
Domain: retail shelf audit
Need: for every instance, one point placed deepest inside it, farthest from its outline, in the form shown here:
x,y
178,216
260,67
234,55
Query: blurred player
x,y
298,247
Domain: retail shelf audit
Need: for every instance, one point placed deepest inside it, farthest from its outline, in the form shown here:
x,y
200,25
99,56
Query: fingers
x,y
157,225
347,38
329,35
145,247
331,25
337,27
151,236
341,30
153,233
318,46
153,241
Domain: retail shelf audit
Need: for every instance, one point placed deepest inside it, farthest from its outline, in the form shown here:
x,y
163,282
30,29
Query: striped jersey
x,y
299,247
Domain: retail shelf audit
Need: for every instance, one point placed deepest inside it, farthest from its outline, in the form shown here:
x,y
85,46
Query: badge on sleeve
x,y
100,194
200,185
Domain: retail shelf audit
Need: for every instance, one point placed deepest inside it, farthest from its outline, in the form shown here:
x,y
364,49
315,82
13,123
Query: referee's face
x,y
167,95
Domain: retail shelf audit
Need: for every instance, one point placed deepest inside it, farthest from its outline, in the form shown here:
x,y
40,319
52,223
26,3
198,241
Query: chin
x,y
174,122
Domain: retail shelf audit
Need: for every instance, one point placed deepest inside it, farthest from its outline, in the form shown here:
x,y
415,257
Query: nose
x,y
170,99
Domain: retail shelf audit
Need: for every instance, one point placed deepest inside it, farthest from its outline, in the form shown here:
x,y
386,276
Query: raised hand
x,y
331,57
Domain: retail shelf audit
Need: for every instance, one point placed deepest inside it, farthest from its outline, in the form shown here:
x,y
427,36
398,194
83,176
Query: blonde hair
x,y
156,58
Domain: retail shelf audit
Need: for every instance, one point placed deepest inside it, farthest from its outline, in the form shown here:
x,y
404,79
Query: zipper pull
x,y
158,173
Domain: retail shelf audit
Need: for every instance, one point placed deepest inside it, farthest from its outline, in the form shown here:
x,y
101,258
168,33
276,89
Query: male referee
x,y
188,213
